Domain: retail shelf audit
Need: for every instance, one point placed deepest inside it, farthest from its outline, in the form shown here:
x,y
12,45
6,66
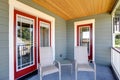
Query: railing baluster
x,y
115,61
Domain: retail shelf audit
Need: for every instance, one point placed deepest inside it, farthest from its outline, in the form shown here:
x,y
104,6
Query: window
x,y
116,26
24,41
85,37
44,34
117,40
116,32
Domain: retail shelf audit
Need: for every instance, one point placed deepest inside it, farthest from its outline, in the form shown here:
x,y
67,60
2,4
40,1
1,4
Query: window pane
x,y
117,40
44,34
85,37
24,42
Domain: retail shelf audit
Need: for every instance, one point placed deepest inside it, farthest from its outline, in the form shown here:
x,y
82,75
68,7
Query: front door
x,y
84,37
24,44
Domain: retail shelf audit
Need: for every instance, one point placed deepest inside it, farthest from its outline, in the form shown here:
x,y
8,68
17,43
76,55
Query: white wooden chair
x,y
81,61
47,64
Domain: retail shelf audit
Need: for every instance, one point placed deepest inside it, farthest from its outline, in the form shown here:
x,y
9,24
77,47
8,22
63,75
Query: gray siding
x,y
103,39
60,29
4,42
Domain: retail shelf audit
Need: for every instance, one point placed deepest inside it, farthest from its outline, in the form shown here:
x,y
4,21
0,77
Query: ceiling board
x,y
71,9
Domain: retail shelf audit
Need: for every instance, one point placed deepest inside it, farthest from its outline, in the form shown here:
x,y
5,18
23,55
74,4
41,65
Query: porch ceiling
x,y
71,9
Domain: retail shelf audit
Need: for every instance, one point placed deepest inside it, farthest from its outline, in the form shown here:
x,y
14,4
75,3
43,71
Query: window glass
x,y
24,42
116,32
116,27
85,37
44,34
117,40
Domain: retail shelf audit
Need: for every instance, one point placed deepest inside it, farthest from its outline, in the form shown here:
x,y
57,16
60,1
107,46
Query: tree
x,y
117,36
117,40
24,32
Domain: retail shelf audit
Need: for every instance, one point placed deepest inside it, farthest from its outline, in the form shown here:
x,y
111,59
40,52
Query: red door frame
x,y
91,36
46,21
30,69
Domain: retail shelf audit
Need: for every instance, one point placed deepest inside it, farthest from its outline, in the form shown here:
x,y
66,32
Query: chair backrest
x,y
81,54
46,56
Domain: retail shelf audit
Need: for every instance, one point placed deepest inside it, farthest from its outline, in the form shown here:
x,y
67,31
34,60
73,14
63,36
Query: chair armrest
x,y
57,63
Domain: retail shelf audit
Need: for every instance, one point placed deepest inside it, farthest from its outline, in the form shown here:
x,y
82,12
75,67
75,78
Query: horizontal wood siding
x,y
103,39
4,42
60,29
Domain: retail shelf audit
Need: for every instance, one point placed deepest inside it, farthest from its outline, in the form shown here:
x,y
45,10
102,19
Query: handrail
x,y
116,49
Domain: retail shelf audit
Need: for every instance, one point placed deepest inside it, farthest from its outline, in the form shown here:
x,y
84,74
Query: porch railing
x,y
115,61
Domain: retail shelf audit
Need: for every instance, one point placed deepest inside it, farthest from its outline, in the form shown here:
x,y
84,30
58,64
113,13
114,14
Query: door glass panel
x,y
85,37
44,34
24,42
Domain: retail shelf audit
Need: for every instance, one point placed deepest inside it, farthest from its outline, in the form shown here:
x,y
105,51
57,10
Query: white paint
x,y
24,19
11,43
14,4
112,31
115,62
44,24
75,33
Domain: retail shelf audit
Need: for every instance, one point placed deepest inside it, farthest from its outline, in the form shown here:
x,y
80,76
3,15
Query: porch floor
x,y
103,73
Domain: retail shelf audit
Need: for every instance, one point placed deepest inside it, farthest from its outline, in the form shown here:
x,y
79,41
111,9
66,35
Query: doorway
x,y
84,36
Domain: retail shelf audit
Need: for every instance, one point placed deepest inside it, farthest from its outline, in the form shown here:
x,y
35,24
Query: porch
x,y
28,25
103,73
111,72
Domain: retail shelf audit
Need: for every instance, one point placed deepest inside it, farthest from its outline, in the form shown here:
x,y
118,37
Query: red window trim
x,y
30,69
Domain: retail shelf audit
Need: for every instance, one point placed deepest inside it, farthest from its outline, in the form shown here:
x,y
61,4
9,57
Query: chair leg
x,y
75,74
59,75
40,73
40,77
76,71
95,75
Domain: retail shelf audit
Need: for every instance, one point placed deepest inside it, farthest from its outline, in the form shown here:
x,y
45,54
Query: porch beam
x,y
117,4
